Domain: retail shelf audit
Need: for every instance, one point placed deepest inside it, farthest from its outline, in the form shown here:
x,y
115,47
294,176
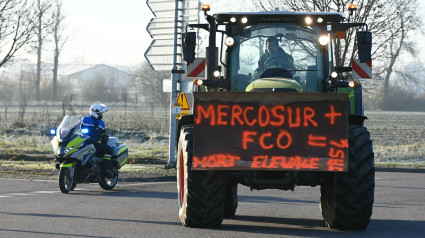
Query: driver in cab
x,y
274,57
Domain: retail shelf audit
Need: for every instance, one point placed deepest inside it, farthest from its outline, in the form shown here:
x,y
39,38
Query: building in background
x,y
80,75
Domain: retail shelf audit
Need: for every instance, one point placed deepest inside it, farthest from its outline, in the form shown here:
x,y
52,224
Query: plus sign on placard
x,y
332,115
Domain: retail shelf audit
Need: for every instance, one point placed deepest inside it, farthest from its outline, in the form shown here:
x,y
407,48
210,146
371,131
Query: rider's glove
x,y
104,139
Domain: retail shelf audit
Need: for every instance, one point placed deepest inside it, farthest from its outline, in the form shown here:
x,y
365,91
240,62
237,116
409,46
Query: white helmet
x,y
95,109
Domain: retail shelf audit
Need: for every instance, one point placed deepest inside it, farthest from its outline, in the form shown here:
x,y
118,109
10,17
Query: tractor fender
x,y
184,120
355,119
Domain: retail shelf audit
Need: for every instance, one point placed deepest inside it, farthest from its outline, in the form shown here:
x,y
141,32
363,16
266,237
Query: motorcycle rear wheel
x,y
109,183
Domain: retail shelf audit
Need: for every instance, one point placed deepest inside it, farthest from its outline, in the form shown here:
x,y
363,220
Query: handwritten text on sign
x,y
281,131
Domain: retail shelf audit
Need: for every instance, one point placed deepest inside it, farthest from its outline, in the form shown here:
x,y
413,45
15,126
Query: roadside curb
x,y
149,179
400,170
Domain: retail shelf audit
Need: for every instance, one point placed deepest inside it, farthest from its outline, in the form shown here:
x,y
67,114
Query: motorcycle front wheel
x,y
109,183
66,182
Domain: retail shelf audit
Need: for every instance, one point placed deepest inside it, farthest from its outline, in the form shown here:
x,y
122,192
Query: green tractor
x,y
274,120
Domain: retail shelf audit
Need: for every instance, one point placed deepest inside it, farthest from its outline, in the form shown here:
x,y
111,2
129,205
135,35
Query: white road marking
x,y
45,192
9,195
143,183
35,180
83,187
18,194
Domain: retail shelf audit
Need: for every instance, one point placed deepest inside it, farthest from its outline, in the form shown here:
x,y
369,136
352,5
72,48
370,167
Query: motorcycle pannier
x,y
120,154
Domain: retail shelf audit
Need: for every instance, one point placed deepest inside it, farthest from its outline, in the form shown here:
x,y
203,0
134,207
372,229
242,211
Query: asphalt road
x,y
38,209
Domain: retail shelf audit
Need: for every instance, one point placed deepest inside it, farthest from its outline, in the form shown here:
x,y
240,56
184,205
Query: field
x,y
398,137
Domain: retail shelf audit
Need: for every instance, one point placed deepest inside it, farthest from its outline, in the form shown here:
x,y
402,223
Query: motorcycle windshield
x,y
69,126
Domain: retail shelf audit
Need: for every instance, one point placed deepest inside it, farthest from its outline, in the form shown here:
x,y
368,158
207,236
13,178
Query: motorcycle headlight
x,y
68,149
60,151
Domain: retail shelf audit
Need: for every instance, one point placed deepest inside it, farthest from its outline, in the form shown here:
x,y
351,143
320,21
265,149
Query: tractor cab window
x,y
277,51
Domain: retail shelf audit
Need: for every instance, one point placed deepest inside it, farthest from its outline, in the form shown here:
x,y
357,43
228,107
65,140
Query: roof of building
x,y
70,70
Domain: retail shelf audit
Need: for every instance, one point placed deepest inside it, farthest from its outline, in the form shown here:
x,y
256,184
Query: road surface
x,y
35,208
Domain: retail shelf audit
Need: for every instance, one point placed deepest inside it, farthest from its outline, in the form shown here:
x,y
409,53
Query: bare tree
x,y
124,98
8,88
150,83
405,21
101,87
95,89
42,27
59,41
26,78
410,79
16,28
390,22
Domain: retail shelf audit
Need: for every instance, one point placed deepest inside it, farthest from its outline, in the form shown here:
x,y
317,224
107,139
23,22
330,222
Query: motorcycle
x,y
77,161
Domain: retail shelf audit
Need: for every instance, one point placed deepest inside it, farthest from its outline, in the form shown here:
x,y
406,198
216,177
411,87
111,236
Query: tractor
x,y
290,119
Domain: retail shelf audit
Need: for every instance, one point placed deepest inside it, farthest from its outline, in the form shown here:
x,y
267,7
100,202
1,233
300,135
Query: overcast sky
x,y
114,32
106,31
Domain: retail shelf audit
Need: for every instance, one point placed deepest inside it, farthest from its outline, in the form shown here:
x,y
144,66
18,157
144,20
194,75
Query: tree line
x,y
29,25
33,25
394,24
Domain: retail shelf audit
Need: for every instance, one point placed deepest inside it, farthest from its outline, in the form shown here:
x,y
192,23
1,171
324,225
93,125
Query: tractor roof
x,y
280,17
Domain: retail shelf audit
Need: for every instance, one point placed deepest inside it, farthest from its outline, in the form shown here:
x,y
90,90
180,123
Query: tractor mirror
x,y
189,44
364,45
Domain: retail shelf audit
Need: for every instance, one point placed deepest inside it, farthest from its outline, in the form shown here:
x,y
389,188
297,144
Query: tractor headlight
x,y
324,40
216,74
229,41
353,84
308,20
198,82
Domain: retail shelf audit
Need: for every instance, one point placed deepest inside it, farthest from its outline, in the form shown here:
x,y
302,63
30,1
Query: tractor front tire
x,y
347,197
201,193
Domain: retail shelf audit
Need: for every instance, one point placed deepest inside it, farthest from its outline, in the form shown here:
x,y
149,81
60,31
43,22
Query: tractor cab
x,y
238,57
277,51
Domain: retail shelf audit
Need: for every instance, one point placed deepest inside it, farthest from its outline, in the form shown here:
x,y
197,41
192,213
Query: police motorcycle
x,y
76,160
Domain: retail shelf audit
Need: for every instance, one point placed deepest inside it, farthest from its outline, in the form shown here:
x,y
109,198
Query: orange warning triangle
x,y
182,99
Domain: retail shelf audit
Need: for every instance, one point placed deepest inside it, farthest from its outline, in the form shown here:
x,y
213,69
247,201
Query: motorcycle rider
x,y
97,135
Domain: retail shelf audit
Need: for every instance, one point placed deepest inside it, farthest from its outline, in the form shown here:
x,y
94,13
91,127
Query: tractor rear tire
x,y
201,193
347,197
231,199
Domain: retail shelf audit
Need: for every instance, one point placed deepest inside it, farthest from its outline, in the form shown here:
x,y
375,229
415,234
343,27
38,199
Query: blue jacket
x,y
96,127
